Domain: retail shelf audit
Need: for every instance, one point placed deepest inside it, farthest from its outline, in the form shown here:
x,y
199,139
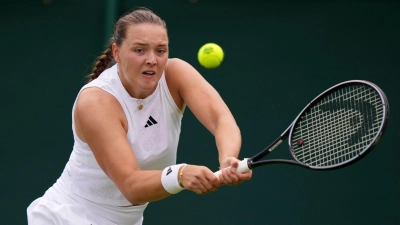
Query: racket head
x,y
339,126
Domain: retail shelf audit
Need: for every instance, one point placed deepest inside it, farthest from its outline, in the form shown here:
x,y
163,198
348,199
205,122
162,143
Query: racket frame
x,y
256,161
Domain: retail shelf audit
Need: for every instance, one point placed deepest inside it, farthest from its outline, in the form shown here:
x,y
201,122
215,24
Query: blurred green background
x,y
279,55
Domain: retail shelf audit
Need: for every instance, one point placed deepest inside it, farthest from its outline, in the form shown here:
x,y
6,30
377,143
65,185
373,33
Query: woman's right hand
x,y
199,179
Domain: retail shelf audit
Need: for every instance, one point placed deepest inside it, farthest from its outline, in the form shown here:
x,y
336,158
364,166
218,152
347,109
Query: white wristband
x,y
169,179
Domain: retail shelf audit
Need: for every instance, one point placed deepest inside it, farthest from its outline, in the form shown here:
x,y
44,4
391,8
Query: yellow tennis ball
x,y
210,55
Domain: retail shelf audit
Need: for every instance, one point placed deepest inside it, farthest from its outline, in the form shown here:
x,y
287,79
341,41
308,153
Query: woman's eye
x,y
161,51
139,50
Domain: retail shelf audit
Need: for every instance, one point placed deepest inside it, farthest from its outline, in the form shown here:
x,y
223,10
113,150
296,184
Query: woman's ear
x,y
115,52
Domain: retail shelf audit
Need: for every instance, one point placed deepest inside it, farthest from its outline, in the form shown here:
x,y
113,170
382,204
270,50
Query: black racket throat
x,y
256,161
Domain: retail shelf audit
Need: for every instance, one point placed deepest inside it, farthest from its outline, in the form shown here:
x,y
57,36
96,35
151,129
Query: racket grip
x,y
243,167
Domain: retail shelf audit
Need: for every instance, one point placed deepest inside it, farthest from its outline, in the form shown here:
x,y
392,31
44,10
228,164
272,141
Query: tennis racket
x,y
336,129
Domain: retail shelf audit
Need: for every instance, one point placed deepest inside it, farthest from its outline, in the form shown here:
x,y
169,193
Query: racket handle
x,y
243,167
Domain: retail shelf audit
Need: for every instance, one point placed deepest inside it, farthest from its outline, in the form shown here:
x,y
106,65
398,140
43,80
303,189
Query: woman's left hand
x,y
229,176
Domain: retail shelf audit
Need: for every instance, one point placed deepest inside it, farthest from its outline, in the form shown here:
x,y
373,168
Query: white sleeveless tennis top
x,y
153,134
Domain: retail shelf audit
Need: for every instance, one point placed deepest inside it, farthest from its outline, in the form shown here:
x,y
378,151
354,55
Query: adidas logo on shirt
x,y
150,122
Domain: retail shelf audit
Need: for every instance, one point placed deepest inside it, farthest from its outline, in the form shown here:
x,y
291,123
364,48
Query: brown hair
x,y
137,16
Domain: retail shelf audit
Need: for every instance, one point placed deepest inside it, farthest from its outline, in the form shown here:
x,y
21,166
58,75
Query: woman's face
x,y
141,58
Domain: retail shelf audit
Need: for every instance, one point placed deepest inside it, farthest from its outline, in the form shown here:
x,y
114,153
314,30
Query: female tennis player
x,y
126,124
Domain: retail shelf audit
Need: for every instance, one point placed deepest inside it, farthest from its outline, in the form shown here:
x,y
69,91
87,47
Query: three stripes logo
x,y
169,171
150,122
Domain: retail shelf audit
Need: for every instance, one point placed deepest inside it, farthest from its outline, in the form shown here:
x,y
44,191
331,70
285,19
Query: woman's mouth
x,y
149,73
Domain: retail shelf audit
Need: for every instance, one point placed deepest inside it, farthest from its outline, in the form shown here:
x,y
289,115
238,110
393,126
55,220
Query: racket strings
x,y
330,134
319,136
339,127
